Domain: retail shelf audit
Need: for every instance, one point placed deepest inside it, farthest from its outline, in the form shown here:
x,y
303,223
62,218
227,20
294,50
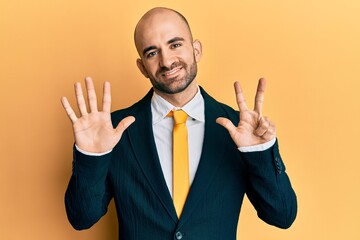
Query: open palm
x,y
93,131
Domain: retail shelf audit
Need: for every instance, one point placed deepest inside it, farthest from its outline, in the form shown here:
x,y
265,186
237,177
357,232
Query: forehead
x,y
160,28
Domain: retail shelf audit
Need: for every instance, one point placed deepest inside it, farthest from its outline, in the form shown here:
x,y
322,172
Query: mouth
x,y
172,73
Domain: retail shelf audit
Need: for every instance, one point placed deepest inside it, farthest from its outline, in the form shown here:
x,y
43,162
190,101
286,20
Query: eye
x,y
176,45
151,54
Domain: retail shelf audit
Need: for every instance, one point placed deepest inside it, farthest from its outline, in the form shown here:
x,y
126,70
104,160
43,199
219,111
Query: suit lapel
x,y
143,144
213,150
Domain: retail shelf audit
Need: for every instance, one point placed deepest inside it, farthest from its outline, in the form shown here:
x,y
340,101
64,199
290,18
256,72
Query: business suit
x,y
131,174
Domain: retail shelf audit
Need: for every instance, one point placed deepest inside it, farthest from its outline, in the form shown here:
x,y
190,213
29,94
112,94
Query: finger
x,y
68,109
259,97
270,133
226,123
240,99
263,127
124,124
107,98
80,99
91,94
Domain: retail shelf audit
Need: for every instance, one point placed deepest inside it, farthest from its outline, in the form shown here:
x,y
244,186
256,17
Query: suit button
x,y
178,235
278,165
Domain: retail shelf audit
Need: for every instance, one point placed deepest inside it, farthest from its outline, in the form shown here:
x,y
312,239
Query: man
x,y
230,153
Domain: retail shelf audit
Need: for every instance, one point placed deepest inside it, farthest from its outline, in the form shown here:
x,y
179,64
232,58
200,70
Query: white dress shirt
x,y
163,131
163,127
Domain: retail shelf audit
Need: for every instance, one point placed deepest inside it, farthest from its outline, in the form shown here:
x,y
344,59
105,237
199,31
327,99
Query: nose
x,y
166,59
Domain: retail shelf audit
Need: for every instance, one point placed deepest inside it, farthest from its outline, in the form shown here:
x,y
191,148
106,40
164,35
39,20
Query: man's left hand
x,y
253,128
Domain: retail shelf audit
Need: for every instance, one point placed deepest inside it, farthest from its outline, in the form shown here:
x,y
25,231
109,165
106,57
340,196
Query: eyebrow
x,y
175,39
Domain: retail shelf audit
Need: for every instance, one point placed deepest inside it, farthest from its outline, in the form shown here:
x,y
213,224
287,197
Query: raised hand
x,y
253,128
93,131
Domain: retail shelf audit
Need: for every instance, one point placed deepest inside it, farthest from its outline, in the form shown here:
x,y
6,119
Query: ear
x,y
197,50
141,67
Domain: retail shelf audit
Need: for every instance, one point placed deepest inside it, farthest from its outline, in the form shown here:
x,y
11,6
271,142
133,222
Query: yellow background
x,y
308,50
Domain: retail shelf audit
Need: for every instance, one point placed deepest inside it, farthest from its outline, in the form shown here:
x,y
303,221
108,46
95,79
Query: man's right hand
x,y
93,131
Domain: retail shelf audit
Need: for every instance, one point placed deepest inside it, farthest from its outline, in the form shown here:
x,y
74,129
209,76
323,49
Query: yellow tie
x,y
181,181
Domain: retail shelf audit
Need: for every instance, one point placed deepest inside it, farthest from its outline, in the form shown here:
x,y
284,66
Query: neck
x,y
182,98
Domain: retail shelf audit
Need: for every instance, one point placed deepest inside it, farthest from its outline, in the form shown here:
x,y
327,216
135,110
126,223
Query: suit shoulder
x,y
133,110
221,109
120,113
229,113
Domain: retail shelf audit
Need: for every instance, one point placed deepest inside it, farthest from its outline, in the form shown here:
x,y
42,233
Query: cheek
x,y
151,68
191,56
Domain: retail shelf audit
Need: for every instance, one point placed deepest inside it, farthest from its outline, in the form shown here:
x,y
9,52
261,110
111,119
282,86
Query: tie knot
x,y
179,116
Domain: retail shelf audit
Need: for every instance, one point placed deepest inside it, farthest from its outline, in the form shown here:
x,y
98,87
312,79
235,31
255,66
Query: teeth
x,y
171,72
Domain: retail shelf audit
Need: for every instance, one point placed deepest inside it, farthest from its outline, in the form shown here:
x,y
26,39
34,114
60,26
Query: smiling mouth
x,y
172,72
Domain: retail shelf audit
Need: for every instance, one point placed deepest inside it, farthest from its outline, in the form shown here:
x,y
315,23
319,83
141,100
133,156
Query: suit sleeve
x,y
269,188
87,195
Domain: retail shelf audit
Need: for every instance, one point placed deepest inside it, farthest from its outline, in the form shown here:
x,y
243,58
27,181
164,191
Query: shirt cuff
x,y
258,147
91,153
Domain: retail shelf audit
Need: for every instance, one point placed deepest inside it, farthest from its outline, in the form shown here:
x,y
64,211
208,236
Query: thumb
x,y
124,124
226,123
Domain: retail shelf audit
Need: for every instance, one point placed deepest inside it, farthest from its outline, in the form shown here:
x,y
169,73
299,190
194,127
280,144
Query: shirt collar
x,y
195,108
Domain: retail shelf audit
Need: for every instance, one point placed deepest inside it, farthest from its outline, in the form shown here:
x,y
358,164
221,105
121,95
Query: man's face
x,y
168,55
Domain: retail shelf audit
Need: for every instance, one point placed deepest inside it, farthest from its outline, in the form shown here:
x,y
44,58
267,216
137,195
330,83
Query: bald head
x,y
153,20
168,54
